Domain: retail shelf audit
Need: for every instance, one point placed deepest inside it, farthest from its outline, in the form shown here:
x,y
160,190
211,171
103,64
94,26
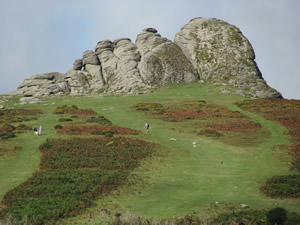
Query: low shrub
x,y
19,115
64,119
100,120
7,131
276,216
248,216
96,130
73,109
23,127
210,133
6,135
152,107
238,125
106,133
58,127
51,195
120,154
287,186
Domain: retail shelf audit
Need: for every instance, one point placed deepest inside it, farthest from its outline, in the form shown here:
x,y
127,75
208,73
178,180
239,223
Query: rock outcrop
x,y
222,54
44,85
162,61
77,65
209,50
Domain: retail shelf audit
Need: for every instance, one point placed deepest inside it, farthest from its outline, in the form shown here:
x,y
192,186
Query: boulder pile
x,y
206,50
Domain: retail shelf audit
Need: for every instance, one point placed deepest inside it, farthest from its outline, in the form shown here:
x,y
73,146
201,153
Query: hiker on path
x,y
41,130
147,125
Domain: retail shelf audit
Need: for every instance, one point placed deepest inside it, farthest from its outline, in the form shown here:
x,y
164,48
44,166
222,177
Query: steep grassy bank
x,y
183,178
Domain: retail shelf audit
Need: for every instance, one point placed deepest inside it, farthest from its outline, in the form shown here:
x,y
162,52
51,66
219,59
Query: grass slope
x,y
185,178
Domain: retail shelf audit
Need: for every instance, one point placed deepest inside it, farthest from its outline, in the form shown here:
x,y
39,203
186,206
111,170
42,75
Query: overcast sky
x,y
39,36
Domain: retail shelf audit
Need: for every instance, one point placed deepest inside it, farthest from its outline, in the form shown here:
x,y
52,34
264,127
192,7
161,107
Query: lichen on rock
x,y
221,53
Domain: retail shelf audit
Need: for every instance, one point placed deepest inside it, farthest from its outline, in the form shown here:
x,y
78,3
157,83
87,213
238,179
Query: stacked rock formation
x,y
209,50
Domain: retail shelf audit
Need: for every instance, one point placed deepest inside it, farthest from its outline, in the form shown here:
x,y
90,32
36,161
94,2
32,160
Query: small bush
x,y
7,131
248,216
65,109
58,127
210,133
283,186
276,216
7,135
23,127
109,133
100,120
64,119
46,145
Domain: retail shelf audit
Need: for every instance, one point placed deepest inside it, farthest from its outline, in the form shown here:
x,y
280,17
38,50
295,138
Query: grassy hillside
x,y
190,173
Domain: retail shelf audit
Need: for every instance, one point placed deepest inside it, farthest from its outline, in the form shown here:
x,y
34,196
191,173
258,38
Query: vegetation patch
x,y
99,120
11,124
73,109
287,186
102,153
74,172
208,119
287,113
210,133
247,126
7,131
189,110
64,120
95,130
9,147
247,216
51,195
19,115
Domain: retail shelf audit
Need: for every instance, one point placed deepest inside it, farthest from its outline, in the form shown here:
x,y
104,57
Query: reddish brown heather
x,y
86,130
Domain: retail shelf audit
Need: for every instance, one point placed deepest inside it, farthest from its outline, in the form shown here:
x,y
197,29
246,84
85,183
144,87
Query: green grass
x,y
183,178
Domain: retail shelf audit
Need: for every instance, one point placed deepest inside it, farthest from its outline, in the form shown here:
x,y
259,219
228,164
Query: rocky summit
x,y
206,50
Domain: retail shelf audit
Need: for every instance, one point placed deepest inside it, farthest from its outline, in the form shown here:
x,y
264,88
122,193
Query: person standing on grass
x,y
41,130
147,125
35,131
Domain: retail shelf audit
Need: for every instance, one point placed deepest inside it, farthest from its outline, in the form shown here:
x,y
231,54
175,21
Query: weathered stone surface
x,y
107,58
89,57
146,41
119,61
162,61
94,78
127,77
30,100
221,53
77,82
44,85
77,65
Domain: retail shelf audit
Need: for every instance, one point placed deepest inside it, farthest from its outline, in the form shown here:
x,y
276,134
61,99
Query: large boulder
x,y
127,79
108,60
44,85
77,65
119,61
222,54
162,61
89,57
